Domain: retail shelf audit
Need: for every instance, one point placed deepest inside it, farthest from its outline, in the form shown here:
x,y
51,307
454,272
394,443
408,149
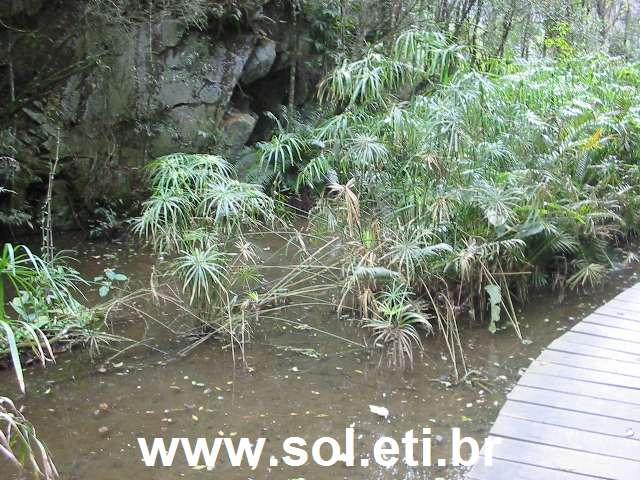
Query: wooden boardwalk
x,y
575,413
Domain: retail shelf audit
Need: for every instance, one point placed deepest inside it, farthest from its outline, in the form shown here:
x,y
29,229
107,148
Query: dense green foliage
x,y
451,188
462,152
41,309
198,213
476,184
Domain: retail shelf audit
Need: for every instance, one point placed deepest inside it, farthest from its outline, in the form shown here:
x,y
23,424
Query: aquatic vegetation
x,y
191,191
39,309
198,215
203,272
43,292
462,186
201,220
476,184
108,221
395,320
109,281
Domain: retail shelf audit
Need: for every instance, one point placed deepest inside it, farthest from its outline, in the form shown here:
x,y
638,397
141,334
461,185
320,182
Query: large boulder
x,y
250,169
237,128
260,61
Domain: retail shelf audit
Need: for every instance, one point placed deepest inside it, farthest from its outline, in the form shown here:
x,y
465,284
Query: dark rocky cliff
x,y
132,90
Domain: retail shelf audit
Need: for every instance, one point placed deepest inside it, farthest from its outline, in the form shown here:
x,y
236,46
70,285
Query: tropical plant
x,y
199,214
189,192
202,272
395,323
20,446
479,184
463,180
38,308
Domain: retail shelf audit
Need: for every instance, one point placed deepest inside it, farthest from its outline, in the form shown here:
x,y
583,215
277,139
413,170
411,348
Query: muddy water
x,y
154,392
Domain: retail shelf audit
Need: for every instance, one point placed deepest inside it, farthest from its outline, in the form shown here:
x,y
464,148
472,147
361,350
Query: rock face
x,y
159,87
260,61
10,8
166,90
237,128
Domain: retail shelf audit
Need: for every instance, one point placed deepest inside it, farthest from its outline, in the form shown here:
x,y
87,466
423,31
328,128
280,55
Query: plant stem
x,y
47,224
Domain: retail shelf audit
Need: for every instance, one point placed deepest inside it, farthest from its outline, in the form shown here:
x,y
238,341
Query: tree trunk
x,y
506,28
362,26
603,10
48,251
465,9
627,27
474,36
524,48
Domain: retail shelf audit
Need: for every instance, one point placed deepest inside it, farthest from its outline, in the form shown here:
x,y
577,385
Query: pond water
x,y
90,413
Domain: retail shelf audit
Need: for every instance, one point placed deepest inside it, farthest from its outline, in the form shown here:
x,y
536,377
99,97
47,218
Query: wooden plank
x,y
614,310
590,363
581,388
573,403
625,304
507,470
626,297
553,435
566,460
615,322
575,413
600,342
586,422
608,332
586,375
632,294
563,344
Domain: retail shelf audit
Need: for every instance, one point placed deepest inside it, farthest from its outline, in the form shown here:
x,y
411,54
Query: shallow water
x,y
154,392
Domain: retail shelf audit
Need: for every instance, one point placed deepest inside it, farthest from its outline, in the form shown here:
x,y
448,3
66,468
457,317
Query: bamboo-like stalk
x,y
48,250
